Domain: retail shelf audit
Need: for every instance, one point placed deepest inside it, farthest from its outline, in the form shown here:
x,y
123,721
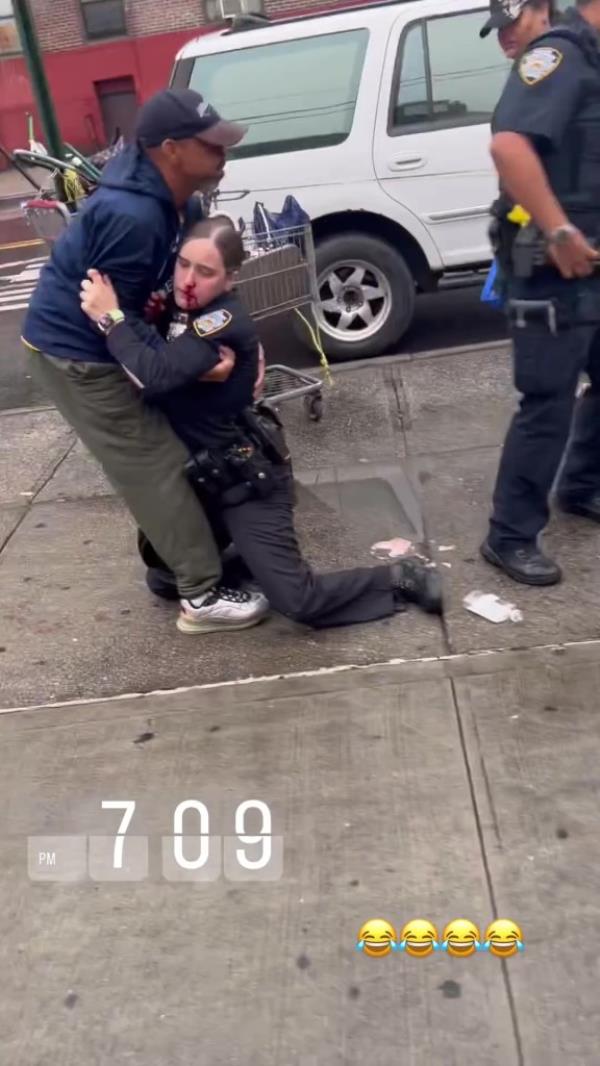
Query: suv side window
x,y
445,75
292,95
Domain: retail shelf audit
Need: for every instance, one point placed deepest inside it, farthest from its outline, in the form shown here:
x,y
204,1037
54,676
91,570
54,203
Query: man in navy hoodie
x,y
130,229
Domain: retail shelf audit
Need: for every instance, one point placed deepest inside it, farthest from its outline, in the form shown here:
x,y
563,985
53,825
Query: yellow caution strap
x,y
315,337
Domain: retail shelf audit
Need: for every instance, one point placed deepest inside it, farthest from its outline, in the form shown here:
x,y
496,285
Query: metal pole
x,y
33,58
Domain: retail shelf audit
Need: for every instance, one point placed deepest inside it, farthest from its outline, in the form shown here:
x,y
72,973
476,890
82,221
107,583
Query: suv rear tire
x,y
367,295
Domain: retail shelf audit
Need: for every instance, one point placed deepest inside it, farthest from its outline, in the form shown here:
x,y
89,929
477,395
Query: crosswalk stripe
x,y
19,294
25,275
24,263
16,289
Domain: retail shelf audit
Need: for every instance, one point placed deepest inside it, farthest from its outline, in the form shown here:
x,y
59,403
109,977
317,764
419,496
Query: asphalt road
x,y
443,320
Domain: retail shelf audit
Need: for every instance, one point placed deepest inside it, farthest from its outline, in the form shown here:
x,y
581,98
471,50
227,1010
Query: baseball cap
x,y
502,13
176,114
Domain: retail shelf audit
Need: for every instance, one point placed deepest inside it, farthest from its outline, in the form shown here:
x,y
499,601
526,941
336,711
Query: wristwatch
x,y
108,321
562,234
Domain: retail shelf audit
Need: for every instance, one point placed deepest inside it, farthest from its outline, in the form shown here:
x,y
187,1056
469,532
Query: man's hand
x,y
156,306
98,296
260,381
576,258
222,370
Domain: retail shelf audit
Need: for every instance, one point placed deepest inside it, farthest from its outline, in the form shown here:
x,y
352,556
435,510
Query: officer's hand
x,y
260,381
98,296
156,306
222,370
576,258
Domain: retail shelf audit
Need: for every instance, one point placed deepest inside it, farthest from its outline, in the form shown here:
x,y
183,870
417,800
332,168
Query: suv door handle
x,y
407,162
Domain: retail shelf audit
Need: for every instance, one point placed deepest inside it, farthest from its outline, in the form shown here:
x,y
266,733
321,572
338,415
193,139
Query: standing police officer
x,y
546,148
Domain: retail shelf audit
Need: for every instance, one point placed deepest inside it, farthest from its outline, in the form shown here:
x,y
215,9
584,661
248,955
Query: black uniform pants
x,y
547,368
263,533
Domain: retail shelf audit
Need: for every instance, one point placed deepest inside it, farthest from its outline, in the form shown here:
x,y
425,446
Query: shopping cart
x,y
71,179
47,217
278,275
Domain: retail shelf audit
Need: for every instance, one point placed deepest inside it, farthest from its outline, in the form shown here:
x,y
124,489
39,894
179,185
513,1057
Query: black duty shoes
x,y
524,563
417,583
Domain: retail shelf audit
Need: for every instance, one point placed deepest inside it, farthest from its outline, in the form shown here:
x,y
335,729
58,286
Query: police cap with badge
x,y
502,14
534,65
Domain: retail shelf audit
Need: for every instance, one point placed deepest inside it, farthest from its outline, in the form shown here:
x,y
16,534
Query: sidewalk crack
x,y
484,857
31,500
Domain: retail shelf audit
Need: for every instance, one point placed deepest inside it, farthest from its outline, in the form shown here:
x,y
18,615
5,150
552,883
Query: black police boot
x,y
162,583
587,507
414,582
524,563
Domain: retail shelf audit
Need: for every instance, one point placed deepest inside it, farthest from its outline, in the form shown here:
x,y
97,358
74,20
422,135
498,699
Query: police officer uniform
x,y
552,97
217,423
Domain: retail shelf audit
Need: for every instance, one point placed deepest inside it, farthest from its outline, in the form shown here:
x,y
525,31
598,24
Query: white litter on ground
x,y
489,606
393,549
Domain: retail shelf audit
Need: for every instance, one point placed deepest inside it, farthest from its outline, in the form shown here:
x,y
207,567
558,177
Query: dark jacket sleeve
x,y
158,366
124,248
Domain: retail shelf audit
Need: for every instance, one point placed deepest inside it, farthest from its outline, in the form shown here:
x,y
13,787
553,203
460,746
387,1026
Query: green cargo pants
x,y
142,458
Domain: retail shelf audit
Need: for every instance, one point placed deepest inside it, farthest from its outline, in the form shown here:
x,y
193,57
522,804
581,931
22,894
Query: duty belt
x,y
550,312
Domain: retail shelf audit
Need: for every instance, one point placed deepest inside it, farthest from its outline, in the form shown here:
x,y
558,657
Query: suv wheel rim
x,y
355,300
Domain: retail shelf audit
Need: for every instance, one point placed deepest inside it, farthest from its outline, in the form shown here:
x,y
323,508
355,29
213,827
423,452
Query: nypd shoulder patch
x,y
214,322
539,64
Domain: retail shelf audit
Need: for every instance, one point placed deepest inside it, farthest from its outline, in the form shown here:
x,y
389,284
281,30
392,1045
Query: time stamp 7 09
x,y
244,853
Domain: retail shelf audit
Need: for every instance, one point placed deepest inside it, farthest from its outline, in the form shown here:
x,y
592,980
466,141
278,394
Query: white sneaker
x,y
221,609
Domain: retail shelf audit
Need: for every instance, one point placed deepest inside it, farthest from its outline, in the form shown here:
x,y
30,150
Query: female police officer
x,y
546,148
239,461
519,22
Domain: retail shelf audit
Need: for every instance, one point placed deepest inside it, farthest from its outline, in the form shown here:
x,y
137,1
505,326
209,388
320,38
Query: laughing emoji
x,y
419,938
461,938
377,938
504,938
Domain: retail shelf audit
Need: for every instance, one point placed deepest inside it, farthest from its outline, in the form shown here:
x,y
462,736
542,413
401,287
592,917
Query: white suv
x,y
377,119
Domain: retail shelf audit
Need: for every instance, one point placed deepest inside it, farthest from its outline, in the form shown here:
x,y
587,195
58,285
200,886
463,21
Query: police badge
x,y
215,322
539,64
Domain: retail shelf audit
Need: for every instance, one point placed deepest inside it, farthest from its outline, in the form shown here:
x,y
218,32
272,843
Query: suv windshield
x,y
293,95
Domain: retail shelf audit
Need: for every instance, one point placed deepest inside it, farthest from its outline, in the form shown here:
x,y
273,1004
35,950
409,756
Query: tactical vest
x,y
574,171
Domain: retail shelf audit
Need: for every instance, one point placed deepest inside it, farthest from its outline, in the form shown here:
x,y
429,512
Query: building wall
x,y
59,24
73,76
152,16
74,66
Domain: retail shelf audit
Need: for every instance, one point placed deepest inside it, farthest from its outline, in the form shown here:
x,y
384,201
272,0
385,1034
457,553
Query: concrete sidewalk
x,y
417,768
406,448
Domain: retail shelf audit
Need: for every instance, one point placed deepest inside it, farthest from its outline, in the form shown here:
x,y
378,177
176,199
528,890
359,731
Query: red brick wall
x,y
73,76
293,7
163,16
59,24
